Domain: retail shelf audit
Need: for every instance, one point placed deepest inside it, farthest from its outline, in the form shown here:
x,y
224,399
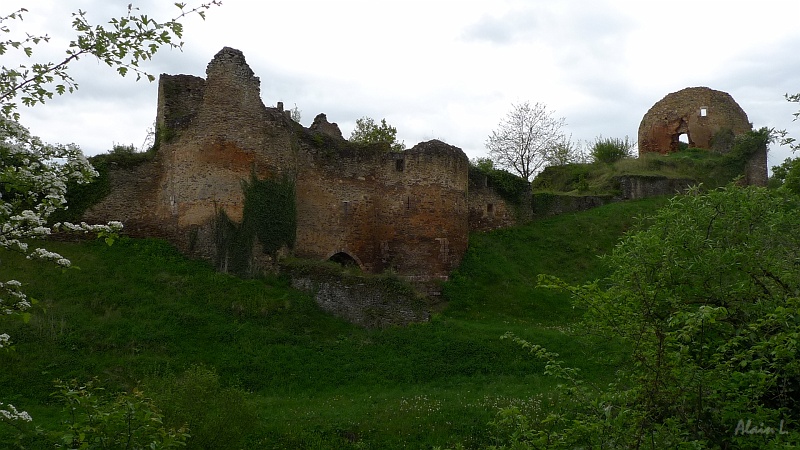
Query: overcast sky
x,y
447,70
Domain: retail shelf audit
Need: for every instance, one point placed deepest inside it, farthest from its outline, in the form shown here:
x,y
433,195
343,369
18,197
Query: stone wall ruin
x,y
701,118
698,113
407,212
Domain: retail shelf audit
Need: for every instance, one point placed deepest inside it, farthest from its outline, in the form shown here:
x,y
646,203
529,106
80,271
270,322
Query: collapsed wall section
x,y
403,211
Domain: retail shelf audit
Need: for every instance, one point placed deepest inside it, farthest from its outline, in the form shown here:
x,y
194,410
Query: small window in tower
x,y
703,111
490,209
399,164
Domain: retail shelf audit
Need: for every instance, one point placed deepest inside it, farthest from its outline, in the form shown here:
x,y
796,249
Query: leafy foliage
x,y
97,420
567,152
121,44
707,298
269,218
510,187
368,132
216,416
609,150
526,139
787,175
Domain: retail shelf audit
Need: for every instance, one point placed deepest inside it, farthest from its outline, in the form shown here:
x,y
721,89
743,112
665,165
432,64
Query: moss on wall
x,y
269,224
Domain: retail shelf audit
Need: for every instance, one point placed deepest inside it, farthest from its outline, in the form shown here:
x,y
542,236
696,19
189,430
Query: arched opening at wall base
x,y
345,259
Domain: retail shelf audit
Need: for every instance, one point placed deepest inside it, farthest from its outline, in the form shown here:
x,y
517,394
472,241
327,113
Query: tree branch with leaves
x,y
123,43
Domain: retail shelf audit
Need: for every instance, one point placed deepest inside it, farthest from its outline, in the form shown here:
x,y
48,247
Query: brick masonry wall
x,y
401,211
699,112
134,200
641,186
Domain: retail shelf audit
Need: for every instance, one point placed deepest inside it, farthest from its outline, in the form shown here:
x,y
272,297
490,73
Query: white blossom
x,y
12,413
34,177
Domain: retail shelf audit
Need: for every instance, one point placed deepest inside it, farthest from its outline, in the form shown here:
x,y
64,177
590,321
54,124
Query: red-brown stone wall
x,y
402,211
698,112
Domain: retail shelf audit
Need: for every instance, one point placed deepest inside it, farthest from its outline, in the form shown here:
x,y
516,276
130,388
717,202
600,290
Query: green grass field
x,y
139,314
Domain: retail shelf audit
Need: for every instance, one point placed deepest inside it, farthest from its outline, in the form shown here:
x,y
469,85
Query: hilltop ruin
x,y
701,118
408,212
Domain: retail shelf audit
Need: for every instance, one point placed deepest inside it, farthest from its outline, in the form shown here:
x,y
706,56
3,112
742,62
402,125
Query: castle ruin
x,y
408,212
701,118
219,151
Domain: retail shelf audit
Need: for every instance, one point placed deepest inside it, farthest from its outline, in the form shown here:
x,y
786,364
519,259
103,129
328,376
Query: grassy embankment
x,y
139,313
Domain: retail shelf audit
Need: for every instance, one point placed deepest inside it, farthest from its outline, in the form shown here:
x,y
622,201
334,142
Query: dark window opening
x,y
490,209
343,259
345,208
400,164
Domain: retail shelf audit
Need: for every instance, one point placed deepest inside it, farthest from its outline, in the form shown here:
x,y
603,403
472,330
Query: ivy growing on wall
x,y
269,220
511,188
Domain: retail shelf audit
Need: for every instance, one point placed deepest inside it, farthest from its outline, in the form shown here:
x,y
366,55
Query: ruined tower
x,y
702,118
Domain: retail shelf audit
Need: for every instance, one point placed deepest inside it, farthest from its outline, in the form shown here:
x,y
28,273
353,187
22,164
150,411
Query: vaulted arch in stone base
x,y
345,258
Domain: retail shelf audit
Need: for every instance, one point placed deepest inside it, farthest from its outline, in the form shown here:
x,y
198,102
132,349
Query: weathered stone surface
x,y
321,125
635,187
548,204
708,118
363,302
403,211
488,210
697,112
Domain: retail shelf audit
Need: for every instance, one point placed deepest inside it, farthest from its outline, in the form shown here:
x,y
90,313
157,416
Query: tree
x,y
707,299
787,175
368,132
295,114
526,139
783,135
121,44
567,152
33,174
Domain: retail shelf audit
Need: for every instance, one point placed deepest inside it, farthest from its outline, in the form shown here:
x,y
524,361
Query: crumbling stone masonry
x,y
407,212
708,119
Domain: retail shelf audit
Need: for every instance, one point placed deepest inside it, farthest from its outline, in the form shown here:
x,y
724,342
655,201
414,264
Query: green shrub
x,y
217,416
95,419
510,187
609,150
786,175
707,298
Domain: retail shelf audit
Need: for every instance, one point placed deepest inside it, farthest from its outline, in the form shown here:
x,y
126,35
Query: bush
x,y
512,188
707,299
609,150
97,420
217,416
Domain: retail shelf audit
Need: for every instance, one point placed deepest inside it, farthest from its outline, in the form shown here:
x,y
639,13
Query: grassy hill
x,y
257,365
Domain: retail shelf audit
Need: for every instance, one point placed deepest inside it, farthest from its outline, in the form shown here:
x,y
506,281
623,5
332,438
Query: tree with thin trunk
x,y
525,139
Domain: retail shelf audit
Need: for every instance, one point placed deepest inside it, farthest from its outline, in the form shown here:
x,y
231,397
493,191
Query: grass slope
x,y
138,313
